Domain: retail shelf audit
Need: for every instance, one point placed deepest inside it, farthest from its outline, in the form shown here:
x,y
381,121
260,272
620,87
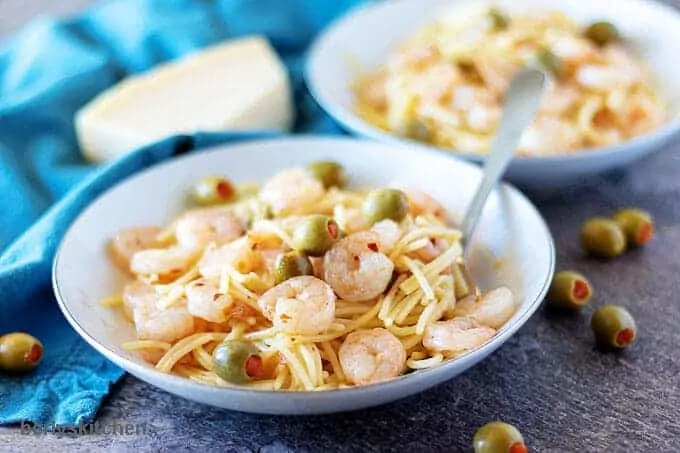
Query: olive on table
x,y
237,362
20,352
382,204
569,290
213,190
498,437
315,234
614,327
637,225
603,237
292,264
330,174
602,33
499,20
550,61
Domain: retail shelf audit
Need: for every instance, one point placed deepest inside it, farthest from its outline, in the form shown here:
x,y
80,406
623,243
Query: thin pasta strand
x,y
433,268
184,347
203,358
296,368
386,304
332,358
420,278
426,316
425,363
402,310
146,344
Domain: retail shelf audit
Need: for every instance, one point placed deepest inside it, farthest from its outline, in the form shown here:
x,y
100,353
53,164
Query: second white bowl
x,y
363,39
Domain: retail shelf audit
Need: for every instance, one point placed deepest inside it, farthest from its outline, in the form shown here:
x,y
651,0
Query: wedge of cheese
x,y
237,85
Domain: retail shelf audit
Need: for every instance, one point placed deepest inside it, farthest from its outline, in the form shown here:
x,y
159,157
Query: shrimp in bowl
x,y
304,285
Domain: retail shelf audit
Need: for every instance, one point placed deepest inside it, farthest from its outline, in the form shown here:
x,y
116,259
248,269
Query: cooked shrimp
x,y
493,309
495,72
301,305
435,82
130,241
420,203
414,56
356,269
205,301
293,191
237,254
199,227
432,250
372,91
570,48
153,323
350,220
170,262
389,234
620,70
559,100
371,356
456,335
549,136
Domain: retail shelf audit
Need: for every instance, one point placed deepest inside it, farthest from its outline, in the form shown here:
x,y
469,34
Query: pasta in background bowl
x,y
512,248
432,74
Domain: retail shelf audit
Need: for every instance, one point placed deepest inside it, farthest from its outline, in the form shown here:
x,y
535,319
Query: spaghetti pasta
x,y
445,84
298,334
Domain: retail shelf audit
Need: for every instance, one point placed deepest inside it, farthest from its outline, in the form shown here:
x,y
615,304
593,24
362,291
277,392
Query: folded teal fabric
x,y
47,72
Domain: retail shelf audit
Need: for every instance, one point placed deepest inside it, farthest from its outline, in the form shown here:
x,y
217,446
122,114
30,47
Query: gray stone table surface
x,y
548,379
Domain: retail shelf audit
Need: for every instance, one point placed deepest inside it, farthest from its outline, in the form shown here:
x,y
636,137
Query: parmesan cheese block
x,y
237,85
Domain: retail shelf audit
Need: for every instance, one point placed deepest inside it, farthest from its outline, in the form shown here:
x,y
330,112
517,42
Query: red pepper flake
x,y
581,290
355,258
645,234
217,296
333,229
625,337
254,367
34,354
518,447
373,246
224,190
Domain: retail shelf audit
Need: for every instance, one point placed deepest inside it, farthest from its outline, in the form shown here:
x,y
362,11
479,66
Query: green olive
x,y
499,20
331,174
551,62
315,235
569,291
236,362
20,352
381,204
637,225
292,264
602,33
213,190
498,437
613,327
603,237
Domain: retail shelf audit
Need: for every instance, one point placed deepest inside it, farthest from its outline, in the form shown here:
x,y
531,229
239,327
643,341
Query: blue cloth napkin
x,y
47,72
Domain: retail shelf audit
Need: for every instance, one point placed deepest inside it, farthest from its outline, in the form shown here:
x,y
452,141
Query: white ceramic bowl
x,y
511,230
363,39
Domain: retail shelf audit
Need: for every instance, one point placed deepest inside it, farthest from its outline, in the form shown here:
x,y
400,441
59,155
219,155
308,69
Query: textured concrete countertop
x,y
548,379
